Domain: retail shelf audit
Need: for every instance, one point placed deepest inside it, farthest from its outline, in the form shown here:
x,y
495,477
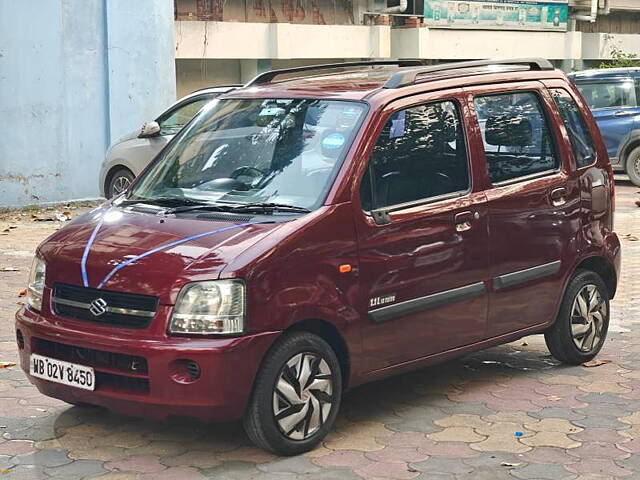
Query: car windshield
x,y
248,151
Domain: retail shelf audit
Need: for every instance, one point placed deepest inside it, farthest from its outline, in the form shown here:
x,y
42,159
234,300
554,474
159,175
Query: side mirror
x,y
149,129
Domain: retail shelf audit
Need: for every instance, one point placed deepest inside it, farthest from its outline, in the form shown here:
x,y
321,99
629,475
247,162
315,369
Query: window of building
x,y
581,141
516,135
419,154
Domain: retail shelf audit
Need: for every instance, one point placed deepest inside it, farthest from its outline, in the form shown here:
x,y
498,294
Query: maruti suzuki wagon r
x,y
324,227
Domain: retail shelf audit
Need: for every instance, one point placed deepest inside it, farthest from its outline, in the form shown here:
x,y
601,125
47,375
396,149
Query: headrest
x,y
508,131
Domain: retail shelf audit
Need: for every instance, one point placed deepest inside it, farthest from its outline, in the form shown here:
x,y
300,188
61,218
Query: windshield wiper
x,y
163,201
269,207
236,207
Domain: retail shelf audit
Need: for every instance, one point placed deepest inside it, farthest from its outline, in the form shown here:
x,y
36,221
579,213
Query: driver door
x,y
422,233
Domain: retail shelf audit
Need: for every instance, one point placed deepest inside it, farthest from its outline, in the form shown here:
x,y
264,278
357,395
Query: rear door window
x,y
516,136
581,141
420,154
614,93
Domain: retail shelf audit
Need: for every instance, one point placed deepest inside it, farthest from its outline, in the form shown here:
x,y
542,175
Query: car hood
x,y
124,235
128,136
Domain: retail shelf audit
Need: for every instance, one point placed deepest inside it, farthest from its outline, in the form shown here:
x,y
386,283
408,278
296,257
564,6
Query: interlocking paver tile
x,y
456,434
141,464
455,421
543,471
599,466
78,469
400,471
548,455
443,465
298,465
45,458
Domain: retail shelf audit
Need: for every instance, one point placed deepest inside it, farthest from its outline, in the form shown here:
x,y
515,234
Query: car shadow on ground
x,y
407,402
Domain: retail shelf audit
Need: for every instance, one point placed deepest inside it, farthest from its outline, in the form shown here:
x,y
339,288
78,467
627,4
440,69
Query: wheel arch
x,y
330,334
112,170
604,268
630,146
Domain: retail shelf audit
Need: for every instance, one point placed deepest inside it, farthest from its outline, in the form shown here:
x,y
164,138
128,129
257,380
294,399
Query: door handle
x,y
622,113
463,220
558,196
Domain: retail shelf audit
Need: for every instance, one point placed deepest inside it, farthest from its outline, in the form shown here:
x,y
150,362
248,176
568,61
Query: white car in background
x,y
128,156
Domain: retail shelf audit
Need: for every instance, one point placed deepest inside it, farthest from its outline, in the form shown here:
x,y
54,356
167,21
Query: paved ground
x,y
454,421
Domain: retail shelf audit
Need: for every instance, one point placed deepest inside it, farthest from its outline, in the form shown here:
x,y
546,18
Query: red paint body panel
x,y
291,269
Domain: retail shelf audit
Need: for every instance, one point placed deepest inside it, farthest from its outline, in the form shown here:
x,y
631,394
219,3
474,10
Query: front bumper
x,y
158,389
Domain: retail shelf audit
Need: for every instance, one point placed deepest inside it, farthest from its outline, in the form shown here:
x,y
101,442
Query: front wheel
x,y
583,321
296,395
119,182
633,166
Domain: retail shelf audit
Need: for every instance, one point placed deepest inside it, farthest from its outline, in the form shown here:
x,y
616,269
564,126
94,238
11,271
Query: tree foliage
x,y
621,59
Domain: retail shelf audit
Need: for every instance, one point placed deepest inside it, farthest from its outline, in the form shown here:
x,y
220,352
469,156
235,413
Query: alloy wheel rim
x,y
303,396
588,315
120,184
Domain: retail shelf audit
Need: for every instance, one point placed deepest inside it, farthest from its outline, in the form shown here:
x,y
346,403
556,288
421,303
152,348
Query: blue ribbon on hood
x,y
87,248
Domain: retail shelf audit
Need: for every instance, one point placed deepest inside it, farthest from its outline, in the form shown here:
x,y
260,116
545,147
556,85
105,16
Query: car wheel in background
x,y
119,181
583,321
296,395
633,166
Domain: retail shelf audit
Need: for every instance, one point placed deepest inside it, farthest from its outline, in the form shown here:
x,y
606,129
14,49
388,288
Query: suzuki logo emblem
x,y
98,307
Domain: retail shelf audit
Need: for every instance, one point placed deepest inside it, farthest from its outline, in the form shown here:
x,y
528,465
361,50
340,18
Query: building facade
x,y
221,42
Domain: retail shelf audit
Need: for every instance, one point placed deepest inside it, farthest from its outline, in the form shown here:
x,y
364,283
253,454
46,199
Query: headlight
x,y
36,284
206,308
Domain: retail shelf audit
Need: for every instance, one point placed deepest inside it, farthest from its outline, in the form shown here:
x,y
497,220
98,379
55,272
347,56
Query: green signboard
x,y
497,14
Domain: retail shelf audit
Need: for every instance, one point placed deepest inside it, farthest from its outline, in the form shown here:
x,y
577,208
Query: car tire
x,y
274,418
119,181
583,320
632,166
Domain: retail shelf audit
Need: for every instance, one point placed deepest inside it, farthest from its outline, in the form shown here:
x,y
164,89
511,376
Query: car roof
x,y
371,81
604,73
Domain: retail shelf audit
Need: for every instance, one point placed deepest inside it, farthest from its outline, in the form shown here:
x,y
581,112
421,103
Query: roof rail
x,y
408,77
268,77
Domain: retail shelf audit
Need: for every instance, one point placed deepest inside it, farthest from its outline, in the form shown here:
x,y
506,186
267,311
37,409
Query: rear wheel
x,y
119,182
633,166
296,395
583,321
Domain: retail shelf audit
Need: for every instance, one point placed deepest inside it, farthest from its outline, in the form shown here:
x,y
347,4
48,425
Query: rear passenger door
x,y
533,203
422,234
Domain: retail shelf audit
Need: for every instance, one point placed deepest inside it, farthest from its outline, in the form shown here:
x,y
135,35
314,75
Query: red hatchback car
x,y
324,227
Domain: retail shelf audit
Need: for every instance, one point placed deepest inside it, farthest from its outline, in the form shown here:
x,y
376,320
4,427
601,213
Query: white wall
x,y
452,44
596,46
240,40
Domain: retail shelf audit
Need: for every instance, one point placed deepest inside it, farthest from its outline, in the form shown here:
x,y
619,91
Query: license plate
x,y
71,374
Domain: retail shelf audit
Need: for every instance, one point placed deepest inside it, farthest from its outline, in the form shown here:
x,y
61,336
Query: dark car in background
x,y
613,94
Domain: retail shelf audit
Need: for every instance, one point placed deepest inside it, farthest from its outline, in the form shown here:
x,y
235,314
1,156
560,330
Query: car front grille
x,y
104,307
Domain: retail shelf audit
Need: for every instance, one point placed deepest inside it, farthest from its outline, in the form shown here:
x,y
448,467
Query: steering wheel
x,y
247,172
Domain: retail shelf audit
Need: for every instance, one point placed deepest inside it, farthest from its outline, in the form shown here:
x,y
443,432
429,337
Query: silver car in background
x,y
128,156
